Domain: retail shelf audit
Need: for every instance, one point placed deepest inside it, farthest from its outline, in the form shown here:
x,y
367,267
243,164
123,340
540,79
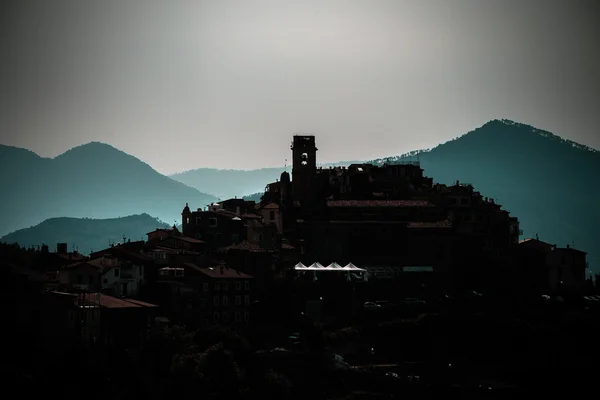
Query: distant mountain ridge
x,y
85,234
94,180
228,183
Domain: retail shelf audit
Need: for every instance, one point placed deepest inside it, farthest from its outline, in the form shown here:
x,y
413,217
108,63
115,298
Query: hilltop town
x,y
332,262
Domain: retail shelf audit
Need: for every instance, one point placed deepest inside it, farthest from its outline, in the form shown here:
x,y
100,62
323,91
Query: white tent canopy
x,y
300,267
331,267
352,267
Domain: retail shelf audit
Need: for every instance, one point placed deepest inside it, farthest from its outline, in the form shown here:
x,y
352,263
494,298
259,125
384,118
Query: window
x,y
217,286
224,301
199,236
225,317
187,220
212,222
271,215
238,285
235,238
198,219
246,316
246,300
238,300
205,287
79,278
216,317
117,272
91,279
238,316
247,285
202,304
216,300
105,281
218,237
178,272
224,286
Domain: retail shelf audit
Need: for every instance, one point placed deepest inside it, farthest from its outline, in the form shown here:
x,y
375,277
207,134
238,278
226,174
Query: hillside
x,y
94,181
548,182
85,234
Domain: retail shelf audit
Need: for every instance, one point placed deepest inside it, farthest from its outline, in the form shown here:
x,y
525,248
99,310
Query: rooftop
x,y
379,203
219,272
437,224
245,246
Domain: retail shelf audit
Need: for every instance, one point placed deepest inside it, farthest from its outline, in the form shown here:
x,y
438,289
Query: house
x,y
216,227
206,292
96,319
81,275
108,274
547,268
162,233
252,259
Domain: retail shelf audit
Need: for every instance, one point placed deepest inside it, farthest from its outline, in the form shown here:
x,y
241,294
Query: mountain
x,y
228,183
253,197
94,180
85,234
548,182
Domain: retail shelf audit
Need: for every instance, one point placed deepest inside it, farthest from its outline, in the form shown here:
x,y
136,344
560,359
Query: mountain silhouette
x,y
548,182
228,183
94,180
85,234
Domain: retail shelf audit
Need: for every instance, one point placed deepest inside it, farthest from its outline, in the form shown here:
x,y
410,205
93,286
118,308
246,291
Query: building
x,y
546,268
206,292
96,319
387,216
107,273
216,226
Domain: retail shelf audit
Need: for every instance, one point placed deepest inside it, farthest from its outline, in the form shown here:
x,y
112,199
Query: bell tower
x,y
304,167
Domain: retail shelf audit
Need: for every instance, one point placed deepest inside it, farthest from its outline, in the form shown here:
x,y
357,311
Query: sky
x,y
226,84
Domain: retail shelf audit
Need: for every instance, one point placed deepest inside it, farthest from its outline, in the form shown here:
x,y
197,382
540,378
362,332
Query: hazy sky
x,y
223,83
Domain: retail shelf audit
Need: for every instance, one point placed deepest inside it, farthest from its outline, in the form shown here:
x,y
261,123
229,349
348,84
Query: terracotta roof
x,y
71,256
227,213
129,254
244,246
271,206
168,230
379,203
219,272
107,301
437,224
141,303
81,263
251,216
190,240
